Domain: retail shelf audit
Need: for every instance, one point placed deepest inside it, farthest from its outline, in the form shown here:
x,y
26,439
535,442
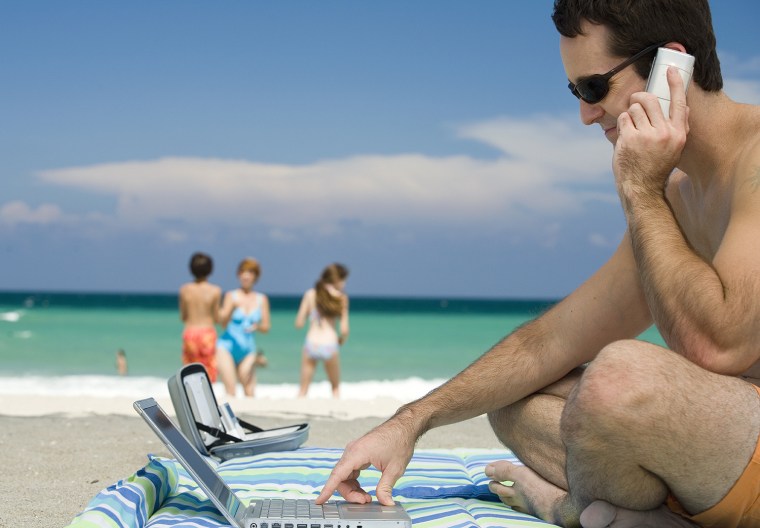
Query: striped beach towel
x,y
440,489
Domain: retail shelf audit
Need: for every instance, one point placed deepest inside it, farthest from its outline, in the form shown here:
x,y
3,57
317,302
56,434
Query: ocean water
x,y
65,343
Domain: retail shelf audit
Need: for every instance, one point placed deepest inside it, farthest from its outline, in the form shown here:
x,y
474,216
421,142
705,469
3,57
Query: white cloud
x,y
600,240
174,236
573,152
281,235
742,91
741,77
549,169
16,213
732,65
551,235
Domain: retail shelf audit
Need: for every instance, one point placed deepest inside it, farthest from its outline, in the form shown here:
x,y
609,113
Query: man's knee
x,y
615,393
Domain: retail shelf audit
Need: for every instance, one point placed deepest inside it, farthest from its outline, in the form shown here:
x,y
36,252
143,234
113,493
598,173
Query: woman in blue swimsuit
x,y
244,312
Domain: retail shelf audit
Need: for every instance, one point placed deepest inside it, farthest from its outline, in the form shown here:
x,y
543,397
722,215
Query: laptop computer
x,y
266,513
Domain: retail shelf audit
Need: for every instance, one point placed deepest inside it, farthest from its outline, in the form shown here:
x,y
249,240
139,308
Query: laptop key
x,y
330,511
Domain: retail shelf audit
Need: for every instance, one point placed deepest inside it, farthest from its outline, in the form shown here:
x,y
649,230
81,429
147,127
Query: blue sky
x,y
432,146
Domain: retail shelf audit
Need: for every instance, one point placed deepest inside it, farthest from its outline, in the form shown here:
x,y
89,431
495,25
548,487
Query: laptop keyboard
x,y
294,509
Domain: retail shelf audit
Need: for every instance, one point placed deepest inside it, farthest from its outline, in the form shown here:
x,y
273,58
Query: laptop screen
x,y
208,479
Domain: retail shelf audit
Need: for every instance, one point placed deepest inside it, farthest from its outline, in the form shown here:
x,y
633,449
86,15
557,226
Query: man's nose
x,y
590,113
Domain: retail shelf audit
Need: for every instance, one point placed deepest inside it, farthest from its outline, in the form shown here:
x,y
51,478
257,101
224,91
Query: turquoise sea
x,y
66,342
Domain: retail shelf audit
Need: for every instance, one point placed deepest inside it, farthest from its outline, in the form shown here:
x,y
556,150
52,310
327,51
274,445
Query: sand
x,y
59,452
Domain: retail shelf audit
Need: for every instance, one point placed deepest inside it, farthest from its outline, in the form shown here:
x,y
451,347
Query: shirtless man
x,y
199,310
614,431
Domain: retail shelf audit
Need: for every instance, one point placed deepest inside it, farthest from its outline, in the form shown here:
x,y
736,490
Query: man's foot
x,y
529,493
601,514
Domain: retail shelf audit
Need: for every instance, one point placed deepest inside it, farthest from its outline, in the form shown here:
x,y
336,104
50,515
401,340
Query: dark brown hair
x,y
201,265
328,304
636,24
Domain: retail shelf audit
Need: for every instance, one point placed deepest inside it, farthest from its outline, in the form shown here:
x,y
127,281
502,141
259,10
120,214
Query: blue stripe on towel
x,y
128,502
469,491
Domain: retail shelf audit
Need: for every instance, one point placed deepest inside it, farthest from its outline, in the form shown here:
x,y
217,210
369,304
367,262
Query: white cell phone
x,y
231,424
657,83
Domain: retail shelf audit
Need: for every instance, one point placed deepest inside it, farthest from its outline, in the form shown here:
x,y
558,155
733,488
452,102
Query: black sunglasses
x,y
594,88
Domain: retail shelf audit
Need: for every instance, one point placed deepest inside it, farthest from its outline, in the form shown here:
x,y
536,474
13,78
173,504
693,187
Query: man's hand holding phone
x,y
657,83
650,143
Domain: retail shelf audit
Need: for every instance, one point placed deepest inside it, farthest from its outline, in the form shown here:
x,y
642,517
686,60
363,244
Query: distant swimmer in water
x,y
121,362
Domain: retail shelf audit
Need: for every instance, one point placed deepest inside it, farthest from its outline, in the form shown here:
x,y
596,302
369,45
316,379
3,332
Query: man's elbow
x,y
728,361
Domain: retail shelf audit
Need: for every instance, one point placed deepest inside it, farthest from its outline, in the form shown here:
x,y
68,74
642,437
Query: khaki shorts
x,y
740,508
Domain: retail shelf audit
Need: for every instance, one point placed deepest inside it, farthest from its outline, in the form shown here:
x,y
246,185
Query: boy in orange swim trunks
x,y
199,308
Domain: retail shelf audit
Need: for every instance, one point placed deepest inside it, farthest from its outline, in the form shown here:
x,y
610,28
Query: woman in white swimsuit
x,y
326,305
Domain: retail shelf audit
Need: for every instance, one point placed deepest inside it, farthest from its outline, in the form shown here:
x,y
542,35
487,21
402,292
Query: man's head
x,y
633,25
201,265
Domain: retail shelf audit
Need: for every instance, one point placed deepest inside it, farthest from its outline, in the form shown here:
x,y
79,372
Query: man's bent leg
x,y
645,421
530,428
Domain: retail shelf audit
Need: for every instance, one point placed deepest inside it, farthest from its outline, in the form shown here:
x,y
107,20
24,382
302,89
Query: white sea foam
x,y
140,387
11,317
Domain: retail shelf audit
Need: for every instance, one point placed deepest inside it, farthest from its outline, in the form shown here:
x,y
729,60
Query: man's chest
x,y
702,215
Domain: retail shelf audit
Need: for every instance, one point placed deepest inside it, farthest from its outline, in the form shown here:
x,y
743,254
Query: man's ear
x,y
677,46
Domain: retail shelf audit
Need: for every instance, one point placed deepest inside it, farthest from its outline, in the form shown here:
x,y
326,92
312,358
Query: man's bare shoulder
x,y
214,290
194,288
749,129
747,168
753,144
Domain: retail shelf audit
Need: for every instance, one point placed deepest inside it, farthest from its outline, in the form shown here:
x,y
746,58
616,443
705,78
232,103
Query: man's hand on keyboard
x,y
388,447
